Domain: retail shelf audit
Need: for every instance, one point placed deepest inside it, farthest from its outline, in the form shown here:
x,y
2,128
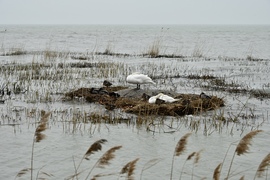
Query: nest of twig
x,y
188,103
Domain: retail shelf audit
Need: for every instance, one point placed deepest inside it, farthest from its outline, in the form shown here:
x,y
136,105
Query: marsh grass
x,y
44,79
129,168
154,49
15,51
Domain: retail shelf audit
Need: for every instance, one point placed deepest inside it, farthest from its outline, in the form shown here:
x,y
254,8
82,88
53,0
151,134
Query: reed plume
x,y
263,166
109,155
22,172
42,127
38,136
197,156
96,146
196,160
129,169
216,174
179,149
242,178
188,158
243,146
181,145
105,158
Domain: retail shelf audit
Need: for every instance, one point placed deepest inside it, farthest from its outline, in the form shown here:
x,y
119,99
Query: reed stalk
x,y
39,136
96,146
179,149
243,147
105,159
188,158
149,164
196,160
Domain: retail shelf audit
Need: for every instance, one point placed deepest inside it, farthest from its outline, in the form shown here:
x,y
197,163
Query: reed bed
x,y
128,170
53,75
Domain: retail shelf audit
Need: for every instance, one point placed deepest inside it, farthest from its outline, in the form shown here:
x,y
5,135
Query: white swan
x,y
164,97
138,78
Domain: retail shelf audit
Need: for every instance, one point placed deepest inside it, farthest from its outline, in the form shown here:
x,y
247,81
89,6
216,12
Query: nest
x,y
109,97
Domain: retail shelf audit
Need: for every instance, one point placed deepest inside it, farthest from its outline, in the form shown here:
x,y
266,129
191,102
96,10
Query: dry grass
x,y
129,169
245,142
243,146
179,149
154,49
181,145
96,146
105,159
42,127
38,136
109,155
263,166
216,174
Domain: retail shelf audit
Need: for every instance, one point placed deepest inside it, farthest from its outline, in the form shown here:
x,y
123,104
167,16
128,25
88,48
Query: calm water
x,y
67,142
210,40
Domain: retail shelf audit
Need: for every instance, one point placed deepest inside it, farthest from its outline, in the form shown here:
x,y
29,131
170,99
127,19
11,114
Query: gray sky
x,y
134,11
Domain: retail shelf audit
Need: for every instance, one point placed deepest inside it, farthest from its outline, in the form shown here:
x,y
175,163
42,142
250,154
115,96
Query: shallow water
x,y
67,141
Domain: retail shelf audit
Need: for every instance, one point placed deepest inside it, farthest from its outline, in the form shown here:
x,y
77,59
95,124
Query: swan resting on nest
x,y
138,78
164,97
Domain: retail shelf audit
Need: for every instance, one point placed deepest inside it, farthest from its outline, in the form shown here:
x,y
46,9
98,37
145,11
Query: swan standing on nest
x,y
164,97
138,78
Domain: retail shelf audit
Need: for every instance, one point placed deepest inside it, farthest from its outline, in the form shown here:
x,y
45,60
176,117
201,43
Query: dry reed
x,y
109,155
216,174
129,169
243,146
263,166
188,158
196,160
197,156
42,127
105,159
179,149
38,136
242,178
96,146
181,145
22,172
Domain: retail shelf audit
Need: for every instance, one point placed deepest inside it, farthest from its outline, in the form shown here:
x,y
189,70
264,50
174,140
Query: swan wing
x,y
137,78
167,98
152,99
